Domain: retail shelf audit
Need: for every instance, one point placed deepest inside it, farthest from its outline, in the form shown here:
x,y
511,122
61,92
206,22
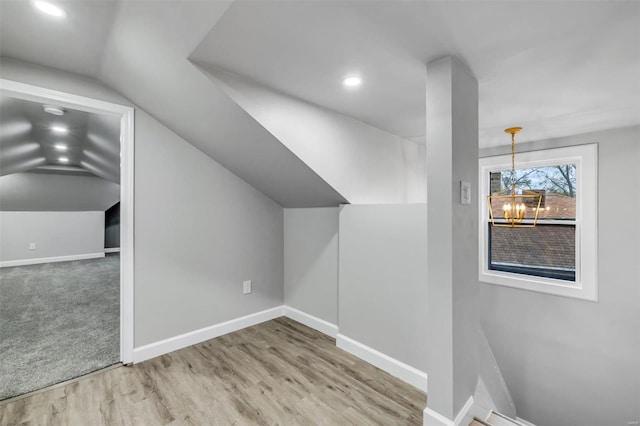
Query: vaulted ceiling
x,y
76,142
555,68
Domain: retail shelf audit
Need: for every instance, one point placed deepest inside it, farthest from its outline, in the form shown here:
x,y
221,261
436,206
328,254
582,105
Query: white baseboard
x,y
24,262
464,411
396,368
112,250
316,323
433,418
524,422
171,344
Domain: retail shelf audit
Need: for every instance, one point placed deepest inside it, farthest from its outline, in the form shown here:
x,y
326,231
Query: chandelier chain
x,y
513,163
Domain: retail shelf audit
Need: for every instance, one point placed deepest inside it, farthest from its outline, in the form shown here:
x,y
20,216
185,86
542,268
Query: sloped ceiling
x,y
147,60
27,142
555,68
368,165
76,43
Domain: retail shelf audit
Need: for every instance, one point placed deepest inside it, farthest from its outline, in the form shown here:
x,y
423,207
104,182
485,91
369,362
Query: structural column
x,y
452,238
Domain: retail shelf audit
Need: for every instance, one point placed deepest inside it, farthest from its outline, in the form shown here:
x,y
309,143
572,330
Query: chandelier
x,y
509,207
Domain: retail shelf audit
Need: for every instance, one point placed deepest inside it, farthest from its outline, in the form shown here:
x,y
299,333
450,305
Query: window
x,y
558,255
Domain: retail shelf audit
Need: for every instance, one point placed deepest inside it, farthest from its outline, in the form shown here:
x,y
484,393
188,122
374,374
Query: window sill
x,y
585,289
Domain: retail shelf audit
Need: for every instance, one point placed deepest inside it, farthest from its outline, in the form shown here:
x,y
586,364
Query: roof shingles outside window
x,y
546,245
558,206
552,246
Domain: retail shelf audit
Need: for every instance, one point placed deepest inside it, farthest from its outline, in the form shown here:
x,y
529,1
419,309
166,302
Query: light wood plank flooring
x,y
276,373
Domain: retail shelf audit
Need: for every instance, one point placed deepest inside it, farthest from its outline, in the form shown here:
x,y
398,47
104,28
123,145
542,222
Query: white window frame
x,y
585,157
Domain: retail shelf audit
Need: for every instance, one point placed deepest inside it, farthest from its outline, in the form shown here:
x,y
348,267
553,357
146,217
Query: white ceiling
x,y
147,59
76,42
27,141
555,68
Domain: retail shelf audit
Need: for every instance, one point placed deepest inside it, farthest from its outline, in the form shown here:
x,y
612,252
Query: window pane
x,y
545,251
557,184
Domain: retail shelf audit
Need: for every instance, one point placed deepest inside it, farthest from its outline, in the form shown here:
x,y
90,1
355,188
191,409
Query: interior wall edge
x,y
311,321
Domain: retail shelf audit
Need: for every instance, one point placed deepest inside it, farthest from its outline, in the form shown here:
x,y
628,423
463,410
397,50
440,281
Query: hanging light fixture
x,y
509,206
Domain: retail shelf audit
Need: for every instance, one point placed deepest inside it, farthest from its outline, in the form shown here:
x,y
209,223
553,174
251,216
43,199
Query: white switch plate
x,y
246,287
465,193
32,246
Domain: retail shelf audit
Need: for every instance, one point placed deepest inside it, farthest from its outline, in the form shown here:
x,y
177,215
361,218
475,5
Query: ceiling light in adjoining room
x,y
60,129
49,8
60,147
352,81
63,159
53,109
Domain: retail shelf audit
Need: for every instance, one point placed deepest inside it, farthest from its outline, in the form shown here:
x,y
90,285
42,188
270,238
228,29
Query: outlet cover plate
x,y
465,193
246,287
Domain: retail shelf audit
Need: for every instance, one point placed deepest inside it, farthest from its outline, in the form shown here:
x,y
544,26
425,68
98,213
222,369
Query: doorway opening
x,y
66,236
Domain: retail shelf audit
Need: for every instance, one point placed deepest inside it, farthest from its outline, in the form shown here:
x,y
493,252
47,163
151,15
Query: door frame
x,y
126,113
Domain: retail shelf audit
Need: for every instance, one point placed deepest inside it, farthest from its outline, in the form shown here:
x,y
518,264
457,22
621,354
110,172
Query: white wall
x,y
361,162
569,361
382,275
199,230
55,234
311,261
55,192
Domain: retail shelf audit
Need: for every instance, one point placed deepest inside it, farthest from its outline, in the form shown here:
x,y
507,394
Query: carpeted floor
x,y
57,321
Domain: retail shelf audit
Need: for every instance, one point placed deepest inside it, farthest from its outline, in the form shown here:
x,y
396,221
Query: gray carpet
x,y
57,321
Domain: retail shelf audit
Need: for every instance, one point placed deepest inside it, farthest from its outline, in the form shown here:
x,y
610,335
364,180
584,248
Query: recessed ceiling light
x,y
60,129
53,109
63,159
49,8
352,81
60,147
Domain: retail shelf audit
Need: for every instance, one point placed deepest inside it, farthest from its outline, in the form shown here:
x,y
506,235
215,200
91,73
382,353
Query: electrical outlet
x,y
632,423
32,246
246,287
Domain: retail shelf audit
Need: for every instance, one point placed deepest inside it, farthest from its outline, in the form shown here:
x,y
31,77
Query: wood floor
x,y
276,373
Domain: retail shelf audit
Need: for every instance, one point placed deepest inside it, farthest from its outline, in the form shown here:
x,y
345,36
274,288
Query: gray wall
x,y
54,233
382,275
571,362
464,234
216,231
54,192
311,261
452,250
199,230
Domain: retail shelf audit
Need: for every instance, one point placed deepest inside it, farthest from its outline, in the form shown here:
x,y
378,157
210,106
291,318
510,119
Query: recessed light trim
x,y
60,147
63,159
60,129
352,81
49,8
51,109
